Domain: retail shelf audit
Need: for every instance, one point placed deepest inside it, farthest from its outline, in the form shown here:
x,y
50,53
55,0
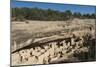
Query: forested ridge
x,y
21,14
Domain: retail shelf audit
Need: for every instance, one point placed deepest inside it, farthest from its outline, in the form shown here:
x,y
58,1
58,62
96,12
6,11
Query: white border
x,y
4,33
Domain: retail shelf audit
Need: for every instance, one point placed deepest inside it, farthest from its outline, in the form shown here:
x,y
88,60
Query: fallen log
x,y
41,41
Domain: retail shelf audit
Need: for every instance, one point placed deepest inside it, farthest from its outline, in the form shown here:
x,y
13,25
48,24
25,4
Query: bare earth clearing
x,y
53,41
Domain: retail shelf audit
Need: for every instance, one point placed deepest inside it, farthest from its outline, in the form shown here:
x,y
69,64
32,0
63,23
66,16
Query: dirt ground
x,y
78,48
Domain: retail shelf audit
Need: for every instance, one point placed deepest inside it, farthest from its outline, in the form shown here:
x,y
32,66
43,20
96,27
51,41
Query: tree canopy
x,y
47,15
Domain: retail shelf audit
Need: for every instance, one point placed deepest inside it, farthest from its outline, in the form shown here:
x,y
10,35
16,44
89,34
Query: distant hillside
x,y
21,14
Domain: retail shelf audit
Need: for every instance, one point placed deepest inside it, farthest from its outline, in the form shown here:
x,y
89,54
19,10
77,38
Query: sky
x,y
84,9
